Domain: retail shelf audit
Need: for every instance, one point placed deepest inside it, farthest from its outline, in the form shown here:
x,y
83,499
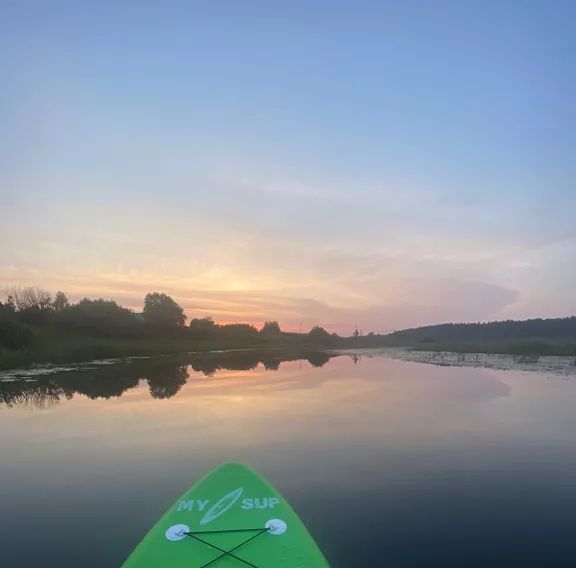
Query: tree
x,y
319,335
271,328
10,305
240,332
13,334
60,302
33,305
202,325
162,310
30,298
98,316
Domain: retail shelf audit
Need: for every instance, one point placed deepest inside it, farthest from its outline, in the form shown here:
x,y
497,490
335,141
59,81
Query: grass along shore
x,y
65,349
532,348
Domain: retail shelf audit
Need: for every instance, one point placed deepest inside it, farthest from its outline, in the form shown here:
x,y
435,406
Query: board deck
x,y
232,518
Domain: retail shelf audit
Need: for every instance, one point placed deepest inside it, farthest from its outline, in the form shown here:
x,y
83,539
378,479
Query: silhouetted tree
x,y
10,304
202,326
31,298
98,316
13,334
60,302
162,310
238,330
271,328
319,335
32,304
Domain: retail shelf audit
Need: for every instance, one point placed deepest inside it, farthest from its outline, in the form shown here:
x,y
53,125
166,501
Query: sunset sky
x,y
385,164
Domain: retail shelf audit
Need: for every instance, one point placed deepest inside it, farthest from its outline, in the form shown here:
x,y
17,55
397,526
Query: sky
x,y
373,164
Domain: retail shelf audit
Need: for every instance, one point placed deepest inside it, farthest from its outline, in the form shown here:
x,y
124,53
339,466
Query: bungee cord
x,y
195,536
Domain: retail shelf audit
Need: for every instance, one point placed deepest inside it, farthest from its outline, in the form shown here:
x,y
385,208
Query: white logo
x,y
221,506
234,498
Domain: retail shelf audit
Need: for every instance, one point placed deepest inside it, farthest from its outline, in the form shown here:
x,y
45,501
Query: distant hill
x,y
555,336
555,329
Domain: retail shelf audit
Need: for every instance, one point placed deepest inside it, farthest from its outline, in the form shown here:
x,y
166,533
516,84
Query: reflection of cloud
x,y
381,400
165,376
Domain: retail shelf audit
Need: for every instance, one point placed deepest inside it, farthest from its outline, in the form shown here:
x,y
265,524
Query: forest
x,y
553,336
36,327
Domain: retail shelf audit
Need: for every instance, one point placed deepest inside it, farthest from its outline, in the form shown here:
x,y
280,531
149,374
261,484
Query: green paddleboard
x,y
232,518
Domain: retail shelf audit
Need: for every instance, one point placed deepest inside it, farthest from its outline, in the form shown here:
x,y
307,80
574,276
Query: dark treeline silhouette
x,y
36,327
26,312
550,329
29,311
165,376
555,336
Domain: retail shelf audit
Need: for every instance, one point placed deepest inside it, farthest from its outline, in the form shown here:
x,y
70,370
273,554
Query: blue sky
x,y
382,163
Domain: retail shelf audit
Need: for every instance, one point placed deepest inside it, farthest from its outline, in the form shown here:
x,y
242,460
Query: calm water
x,y
389,463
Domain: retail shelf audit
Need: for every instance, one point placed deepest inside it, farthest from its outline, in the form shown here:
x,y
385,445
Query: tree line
x,y
32,318
28,312
555,329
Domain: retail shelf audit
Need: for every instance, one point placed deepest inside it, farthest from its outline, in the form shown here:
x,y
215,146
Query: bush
x,y
98,317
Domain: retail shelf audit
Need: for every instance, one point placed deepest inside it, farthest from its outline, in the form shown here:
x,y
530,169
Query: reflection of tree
x,y
106,387
209,363
245,361
165,376
29,394
104,382
165,382
207,367
271,363
318,358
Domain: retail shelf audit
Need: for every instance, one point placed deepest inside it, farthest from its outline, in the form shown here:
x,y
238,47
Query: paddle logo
x,y
221,506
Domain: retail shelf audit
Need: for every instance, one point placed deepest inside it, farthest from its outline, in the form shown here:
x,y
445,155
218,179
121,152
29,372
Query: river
x,y
388,462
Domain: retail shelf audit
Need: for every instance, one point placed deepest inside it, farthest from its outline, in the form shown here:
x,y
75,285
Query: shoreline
x,y
64,349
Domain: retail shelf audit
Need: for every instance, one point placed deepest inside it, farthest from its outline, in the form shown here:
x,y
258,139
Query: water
x,y
388,462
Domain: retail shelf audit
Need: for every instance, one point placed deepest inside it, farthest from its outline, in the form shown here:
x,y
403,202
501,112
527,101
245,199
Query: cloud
x,y
423,301
402,267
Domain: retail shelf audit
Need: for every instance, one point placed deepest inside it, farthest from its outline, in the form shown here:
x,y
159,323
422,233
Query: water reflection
x,y
165,382
389,463
165,376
